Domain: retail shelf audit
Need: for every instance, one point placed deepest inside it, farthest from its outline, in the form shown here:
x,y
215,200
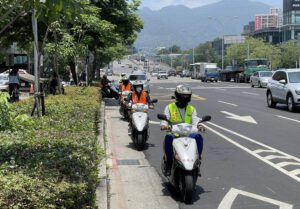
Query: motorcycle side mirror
x,y
162,117
173,97
154,100
206,118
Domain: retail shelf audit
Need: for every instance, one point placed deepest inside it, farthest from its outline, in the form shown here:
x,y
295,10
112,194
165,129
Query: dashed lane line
x,y
231,104
288,160
249,93
291,119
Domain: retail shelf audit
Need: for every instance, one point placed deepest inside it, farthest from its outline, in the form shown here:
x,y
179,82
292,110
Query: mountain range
x,y
187,27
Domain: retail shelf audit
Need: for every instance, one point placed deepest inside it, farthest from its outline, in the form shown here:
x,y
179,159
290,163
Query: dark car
x,y
171,73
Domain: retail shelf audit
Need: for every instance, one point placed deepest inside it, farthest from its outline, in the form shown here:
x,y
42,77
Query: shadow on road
x,y
284,108
169,190
111,102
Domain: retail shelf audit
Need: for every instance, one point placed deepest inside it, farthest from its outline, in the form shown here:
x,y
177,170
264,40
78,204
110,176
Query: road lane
x,y
226,166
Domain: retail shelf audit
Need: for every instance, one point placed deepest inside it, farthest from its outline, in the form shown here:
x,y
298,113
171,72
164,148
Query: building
x,y
291,19
249,28
270,20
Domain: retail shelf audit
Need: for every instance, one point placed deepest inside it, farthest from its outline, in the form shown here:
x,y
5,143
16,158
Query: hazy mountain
x,y
188,26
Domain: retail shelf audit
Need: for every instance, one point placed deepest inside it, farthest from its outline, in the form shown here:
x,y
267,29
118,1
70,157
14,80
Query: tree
x,y
290,53
205,53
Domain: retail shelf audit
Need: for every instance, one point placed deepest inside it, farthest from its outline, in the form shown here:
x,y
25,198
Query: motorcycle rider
x,y
125,85
138,95
105,86
180,112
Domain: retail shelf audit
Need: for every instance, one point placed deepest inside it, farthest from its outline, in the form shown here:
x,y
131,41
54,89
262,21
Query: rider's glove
x,y
201,128
151,106
164,128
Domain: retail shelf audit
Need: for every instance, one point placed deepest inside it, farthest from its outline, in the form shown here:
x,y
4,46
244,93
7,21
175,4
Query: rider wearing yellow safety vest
x,y
180,112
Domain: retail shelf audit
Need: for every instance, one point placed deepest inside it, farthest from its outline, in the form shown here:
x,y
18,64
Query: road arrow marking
x,y
231,104
247,119
233,193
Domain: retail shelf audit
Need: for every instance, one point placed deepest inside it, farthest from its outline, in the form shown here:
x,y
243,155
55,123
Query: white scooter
x,y
140,124
186,164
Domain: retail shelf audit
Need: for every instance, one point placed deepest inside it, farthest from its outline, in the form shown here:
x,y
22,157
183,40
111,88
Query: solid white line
x,y
291,119
233,193
228,103
244,92
270,149
251,152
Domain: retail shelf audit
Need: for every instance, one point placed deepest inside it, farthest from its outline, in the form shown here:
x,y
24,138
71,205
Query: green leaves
x,y
54,164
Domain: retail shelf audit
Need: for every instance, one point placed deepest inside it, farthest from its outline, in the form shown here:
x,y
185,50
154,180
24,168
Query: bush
x,y
51,162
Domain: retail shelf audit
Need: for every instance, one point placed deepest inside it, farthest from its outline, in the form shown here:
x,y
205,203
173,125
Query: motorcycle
x,y
186,164
110,91
124,110
140,124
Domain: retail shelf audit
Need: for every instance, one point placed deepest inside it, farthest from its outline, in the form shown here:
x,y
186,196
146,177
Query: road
x,y
251,158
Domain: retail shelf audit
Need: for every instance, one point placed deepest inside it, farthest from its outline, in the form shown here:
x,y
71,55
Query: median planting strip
x,y
52,161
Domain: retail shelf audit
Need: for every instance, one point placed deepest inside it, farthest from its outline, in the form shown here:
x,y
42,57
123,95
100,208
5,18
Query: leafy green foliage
x,y
53,162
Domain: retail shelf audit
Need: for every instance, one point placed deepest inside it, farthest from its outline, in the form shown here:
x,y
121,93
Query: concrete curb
x,y
102,187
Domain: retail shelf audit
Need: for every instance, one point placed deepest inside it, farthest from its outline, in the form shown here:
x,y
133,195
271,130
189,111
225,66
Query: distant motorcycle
x,y
110,91
140,124
186,164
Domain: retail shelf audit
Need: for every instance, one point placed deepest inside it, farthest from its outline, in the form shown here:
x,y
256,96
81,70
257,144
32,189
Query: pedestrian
x,y
53,84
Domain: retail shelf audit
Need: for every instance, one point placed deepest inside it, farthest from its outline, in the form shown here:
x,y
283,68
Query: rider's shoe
x,y
167,168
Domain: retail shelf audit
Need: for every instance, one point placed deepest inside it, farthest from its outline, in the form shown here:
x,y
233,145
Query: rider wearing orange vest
x,y
138,94
125,85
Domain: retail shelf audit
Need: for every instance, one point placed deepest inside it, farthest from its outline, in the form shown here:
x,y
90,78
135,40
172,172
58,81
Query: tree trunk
x,y
73,71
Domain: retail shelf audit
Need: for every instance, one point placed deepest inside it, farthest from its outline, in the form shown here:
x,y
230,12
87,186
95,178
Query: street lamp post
x,y
222,33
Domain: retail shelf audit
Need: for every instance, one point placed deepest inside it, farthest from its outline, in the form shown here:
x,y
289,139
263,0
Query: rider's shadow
x,y
147,146
169,190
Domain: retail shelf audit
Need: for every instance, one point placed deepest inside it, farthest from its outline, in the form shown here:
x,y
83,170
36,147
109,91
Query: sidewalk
x,y
133,182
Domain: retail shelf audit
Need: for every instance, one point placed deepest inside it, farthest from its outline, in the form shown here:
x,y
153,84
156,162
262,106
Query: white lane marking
x,y
247,119
291,119
254,94
283,164
228,103
296,172
263,150
272,157
154,122
253,152
233,193
222,87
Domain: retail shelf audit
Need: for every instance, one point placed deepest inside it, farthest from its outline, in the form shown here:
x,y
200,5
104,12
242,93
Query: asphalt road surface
x,y
251,157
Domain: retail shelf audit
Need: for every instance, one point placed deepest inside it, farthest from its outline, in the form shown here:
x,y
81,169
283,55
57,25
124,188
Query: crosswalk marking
x,y
272,157
283,164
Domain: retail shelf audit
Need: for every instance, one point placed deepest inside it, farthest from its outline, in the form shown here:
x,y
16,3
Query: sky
x,y
158,4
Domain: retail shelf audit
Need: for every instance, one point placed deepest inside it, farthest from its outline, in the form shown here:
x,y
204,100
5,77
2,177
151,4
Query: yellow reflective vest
x,y
175,116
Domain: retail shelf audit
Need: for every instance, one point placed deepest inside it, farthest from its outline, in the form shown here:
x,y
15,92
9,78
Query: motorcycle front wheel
x,y
140,143
186,186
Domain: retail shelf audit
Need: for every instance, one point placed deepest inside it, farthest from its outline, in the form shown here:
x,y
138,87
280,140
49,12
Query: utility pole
x,y
36,63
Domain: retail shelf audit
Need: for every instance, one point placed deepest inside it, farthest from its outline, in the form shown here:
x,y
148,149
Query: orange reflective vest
x,y
126,88
142,99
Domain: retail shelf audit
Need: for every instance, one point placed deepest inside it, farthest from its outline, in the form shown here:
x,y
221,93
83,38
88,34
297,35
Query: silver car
x,y
140,76
284,88
260,78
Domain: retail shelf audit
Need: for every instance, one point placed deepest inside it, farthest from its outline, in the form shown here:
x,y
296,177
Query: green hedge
x,y
51,162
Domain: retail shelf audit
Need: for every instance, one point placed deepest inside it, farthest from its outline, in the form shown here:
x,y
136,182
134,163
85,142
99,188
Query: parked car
x,y
129,65
162,74
140,76
284,88
172,73
260,78
4,82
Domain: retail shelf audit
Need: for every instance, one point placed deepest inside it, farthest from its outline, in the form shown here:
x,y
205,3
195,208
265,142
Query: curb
x,y
102,187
